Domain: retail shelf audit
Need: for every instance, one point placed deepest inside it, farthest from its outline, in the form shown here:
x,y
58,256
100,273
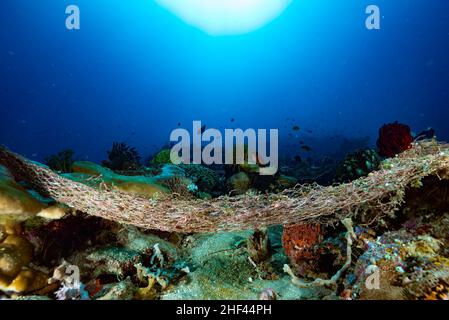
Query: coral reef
x,y
375,196
16,276
239,183
17,204
161,158
103,178
408,267
125,242
206,179
357,165
301,243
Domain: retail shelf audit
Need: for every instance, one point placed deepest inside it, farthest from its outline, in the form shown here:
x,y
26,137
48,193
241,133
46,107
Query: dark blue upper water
x,y
134,71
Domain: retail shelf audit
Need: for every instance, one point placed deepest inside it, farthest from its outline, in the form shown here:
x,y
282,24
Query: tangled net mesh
x,y
377,195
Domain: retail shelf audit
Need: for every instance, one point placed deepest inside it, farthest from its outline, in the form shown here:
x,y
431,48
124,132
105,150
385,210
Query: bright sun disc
x,y
226,17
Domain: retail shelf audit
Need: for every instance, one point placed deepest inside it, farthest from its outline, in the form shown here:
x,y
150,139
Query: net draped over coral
x,y
379,194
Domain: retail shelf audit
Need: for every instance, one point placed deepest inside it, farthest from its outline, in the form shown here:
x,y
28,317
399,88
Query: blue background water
x,y
134,71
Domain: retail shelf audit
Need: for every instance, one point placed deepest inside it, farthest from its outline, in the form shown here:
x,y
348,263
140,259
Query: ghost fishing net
x,y
379,194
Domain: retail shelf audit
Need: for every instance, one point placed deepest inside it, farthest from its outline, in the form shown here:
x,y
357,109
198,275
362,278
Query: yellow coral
x,y
15,276
27,280
17,204
424,246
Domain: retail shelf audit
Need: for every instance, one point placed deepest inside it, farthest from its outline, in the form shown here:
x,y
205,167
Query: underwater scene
x,y
224,150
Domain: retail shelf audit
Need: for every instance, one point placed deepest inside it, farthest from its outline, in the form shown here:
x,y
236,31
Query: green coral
x,y
357,165
239,183
162,157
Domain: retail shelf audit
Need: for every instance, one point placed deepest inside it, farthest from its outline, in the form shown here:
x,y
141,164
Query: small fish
x,y
295,128
232,119
309,131
298,159
306,148
179,124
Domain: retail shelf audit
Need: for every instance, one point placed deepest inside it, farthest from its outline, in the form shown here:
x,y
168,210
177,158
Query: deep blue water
x,y
134,71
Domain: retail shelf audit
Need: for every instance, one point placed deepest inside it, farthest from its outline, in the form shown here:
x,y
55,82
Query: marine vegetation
x,y
61,161
122,157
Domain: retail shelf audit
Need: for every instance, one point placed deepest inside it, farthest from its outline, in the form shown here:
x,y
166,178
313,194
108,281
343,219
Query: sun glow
x,y
226,17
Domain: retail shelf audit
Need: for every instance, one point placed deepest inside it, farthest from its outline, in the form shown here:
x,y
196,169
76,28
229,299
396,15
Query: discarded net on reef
x,y
379,194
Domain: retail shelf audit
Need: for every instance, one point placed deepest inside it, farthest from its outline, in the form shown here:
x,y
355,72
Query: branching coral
x,y
379,194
